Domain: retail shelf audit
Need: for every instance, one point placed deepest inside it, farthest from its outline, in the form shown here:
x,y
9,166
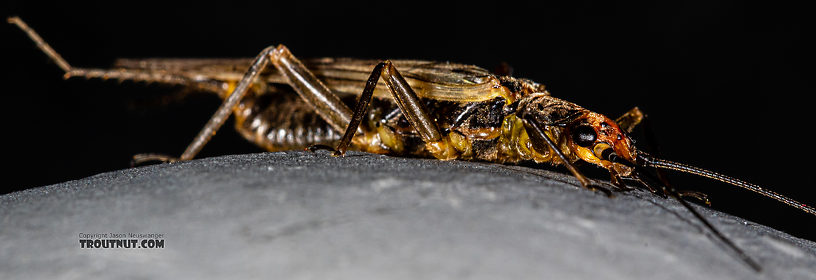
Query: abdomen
x,y
282,121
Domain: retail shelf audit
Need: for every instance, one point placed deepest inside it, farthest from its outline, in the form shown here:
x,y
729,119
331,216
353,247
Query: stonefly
x,y
428,109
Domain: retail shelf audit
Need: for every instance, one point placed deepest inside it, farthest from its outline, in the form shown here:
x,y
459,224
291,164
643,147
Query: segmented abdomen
x,y
282,121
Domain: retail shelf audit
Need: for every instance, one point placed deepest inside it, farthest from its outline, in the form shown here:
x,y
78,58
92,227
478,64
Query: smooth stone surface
x,y
297,215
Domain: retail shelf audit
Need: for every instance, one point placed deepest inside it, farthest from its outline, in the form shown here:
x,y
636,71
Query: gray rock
x,y
298,215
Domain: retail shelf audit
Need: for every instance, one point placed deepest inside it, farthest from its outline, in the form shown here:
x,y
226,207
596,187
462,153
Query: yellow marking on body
x,y
462,144
443,150
389,139
504,92
587,155
524,146
512,131
515,144
506,152
368,142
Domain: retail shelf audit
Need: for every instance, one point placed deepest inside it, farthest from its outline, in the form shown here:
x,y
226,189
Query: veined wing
x,y
429,79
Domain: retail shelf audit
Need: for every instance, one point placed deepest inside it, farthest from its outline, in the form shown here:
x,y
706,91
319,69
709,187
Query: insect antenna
x,y
671,191
648,161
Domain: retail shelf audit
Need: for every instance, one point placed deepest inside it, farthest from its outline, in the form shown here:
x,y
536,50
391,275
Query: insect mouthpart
x,y
610,155
598,140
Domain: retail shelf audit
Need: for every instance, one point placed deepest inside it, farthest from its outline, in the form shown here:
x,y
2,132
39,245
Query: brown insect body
x,y
273,117
426,109
480,112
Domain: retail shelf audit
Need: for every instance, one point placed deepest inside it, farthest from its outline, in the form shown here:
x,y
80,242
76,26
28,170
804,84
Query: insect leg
x,y
220,116
586,182
632,118
628,121
702,197
410,105
359,111
314,92
309,88
135,75
699,196
671,191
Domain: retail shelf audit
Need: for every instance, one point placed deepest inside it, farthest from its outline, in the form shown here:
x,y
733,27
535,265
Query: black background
x,y
724,82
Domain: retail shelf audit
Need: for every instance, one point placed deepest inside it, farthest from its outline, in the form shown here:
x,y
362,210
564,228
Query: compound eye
x,y
584,136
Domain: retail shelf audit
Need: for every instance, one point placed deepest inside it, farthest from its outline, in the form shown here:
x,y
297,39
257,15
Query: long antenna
x,y
676,166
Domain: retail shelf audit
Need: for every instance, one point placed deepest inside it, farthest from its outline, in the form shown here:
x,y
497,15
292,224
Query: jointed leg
x,y
628,121
359,112
699,196
315,93
670,191
148,76
586,182
410,105
220,116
